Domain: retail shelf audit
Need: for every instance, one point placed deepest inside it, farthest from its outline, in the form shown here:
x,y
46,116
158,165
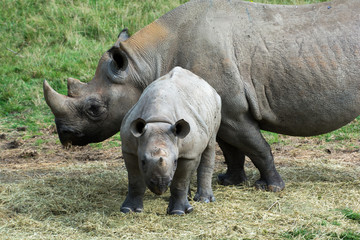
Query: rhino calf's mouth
x,y
159,185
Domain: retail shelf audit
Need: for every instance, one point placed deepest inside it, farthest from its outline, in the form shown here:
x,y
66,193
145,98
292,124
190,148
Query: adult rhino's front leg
x,y
179,188
137,187
244,134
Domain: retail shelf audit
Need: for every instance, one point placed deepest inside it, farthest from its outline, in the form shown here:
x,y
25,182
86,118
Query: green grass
x,y
55,40
350,214
307,234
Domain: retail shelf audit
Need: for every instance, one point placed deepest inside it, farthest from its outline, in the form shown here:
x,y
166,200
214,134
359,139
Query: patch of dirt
x,y
13,144
313,148
23,156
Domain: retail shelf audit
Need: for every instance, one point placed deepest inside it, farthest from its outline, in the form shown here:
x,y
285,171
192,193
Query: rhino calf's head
x,y
158,151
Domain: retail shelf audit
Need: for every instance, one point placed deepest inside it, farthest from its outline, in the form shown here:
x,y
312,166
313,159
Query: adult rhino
x,y
287,69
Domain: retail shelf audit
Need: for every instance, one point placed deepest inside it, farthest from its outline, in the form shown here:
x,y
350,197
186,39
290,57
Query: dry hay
x,y
48,192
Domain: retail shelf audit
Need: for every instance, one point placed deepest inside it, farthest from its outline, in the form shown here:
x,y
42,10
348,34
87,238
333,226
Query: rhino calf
x,y
168,134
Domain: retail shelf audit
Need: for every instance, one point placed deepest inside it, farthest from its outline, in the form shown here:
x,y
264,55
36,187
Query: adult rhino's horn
x,y
74,87
54,100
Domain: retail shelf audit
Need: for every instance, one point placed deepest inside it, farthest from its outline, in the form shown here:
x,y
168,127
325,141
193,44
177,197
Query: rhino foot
x,y
188,209
179,207
128,209
273,187
206,198
131,206
227,179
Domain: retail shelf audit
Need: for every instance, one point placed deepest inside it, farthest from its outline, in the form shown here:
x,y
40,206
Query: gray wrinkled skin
x,y
166,136
287,69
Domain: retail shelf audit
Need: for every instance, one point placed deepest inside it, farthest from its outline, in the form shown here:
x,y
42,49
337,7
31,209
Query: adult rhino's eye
x,y
95,109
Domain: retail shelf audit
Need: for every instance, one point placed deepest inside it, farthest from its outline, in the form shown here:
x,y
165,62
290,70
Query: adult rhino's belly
x,y
312,112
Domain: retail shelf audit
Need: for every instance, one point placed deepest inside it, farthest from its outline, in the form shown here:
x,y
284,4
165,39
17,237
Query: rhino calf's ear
x,y
181,128
137,127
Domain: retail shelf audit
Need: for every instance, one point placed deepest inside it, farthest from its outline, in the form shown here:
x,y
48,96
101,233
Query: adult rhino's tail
x,y
253,103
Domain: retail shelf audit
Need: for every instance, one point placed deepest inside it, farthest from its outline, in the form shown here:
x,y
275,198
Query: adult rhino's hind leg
x,y
234,159
246,136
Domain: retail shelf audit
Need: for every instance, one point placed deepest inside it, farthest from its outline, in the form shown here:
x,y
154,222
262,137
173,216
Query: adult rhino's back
x,y
301,63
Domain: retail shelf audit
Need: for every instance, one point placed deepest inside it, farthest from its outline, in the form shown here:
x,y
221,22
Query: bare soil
x,y
40,155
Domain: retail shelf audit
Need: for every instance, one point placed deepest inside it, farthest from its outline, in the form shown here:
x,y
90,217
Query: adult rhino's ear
x,y
123,35
181,128
118,67
138,127
119,59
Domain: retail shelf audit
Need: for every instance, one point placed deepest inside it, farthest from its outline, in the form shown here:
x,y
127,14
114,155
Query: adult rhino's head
x,y
92,112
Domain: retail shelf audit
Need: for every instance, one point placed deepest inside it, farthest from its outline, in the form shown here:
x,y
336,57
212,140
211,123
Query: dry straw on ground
x,y
48,192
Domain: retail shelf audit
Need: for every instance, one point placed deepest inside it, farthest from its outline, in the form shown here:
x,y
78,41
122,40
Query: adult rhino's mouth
x,y
68,136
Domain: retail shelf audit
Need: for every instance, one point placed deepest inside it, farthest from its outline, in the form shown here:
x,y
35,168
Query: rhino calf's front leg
x,y
134,198
179,188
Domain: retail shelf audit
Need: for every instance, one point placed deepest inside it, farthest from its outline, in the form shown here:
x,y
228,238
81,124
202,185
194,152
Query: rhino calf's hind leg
x,y
204,174
179,188
137,187
235,159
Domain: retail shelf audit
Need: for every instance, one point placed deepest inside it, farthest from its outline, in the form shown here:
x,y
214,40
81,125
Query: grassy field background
x,y
47,192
